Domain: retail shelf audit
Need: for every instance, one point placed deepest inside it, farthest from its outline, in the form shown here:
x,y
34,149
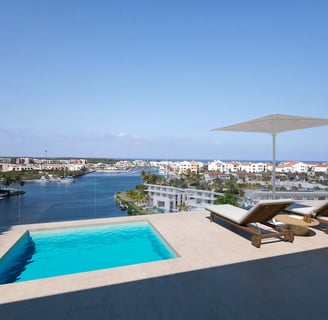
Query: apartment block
x,y
168,199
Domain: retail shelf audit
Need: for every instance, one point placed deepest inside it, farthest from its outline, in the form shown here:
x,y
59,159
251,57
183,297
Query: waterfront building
x,y
7,160
322,168
83,162
29,164
162,170
195,166
235,166
292,166
184,167
254,167
170,168
23,161
217,165
189,166
263,167
19,167
168,199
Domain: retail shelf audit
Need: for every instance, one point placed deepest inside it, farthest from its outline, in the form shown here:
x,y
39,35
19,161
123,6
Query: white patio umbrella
x,y
274,124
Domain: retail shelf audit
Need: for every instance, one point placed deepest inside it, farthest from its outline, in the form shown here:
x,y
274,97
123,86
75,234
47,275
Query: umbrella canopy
x,y
273,124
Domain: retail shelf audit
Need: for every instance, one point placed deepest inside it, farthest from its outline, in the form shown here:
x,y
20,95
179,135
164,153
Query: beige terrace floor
x,y
219,275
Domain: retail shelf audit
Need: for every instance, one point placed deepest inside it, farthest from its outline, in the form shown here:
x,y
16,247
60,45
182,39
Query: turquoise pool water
x,y
65,251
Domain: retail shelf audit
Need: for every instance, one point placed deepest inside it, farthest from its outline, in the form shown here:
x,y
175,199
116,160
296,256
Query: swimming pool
x,y
66,251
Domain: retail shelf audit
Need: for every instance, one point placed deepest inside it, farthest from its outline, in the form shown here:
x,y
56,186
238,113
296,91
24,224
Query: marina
x,y
90,196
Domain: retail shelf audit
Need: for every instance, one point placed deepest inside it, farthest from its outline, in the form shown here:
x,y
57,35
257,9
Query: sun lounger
x,y
315,208
261,213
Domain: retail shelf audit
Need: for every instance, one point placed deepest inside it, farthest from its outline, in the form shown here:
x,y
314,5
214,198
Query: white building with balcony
x,y
217,165
322,168
292,166
168,199
255,167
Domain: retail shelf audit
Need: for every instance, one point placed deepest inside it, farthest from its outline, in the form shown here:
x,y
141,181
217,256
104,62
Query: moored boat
x,y
4,194
57,179
67,180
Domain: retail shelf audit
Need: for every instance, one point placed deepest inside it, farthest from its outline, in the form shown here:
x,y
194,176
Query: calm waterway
x,y
90,196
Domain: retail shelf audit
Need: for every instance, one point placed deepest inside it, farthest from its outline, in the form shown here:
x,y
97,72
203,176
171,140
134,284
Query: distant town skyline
x,y
140,79
279,161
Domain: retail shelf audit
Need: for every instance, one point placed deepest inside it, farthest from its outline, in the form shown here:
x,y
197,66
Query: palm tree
x,y
183,207
229,198
7,181
151,178
193,179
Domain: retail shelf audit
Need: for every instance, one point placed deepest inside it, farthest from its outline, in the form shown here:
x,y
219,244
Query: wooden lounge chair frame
x,y
319,212
262,213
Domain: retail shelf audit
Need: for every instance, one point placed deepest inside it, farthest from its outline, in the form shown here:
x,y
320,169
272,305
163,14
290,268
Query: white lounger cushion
x,y
307,207
229,211
236,214
301,208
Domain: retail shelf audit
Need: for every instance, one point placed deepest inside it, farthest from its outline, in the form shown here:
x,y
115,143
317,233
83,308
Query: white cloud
x,y
121,135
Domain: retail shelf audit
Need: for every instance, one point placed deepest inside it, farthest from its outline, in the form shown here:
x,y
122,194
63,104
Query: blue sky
x,y
149,79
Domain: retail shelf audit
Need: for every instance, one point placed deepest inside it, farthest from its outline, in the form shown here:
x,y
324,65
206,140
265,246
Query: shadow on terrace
x,y
284,287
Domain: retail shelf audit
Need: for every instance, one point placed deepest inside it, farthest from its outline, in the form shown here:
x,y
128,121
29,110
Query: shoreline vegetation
x,y
137,201
128,204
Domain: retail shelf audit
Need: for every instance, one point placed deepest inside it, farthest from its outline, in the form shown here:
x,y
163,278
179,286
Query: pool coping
x,y
89,229
199,244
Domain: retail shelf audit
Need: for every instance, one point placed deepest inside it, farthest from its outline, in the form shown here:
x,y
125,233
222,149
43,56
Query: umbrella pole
x,y
274,165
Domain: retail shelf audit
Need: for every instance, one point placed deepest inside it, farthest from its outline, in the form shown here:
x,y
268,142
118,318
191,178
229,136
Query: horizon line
x,y
162,159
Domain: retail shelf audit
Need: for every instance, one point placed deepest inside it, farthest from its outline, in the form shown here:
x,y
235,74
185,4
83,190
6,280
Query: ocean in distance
x,y
90,196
